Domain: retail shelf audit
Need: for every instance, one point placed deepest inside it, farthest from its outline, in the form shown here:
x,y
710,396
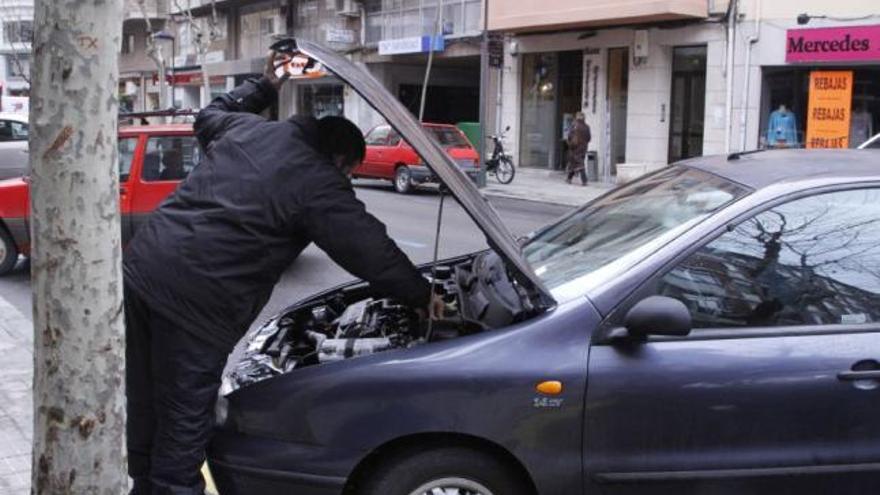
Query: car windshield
x,y
448,137
631,217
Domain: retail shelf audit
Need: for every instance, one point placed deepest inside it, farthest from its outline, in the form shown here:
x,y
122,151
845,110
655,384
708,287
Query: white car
x,y
13,145
873,143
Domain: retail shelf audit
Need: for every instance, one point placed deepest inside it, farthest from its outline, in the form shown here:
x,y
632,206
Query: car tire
x,y
8,252
505,171
444,470
403,180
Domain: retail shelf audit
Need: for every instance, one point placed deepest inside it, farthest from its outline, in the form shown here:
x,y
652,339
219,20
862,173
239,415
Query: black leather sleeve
x,y
235,107
338,223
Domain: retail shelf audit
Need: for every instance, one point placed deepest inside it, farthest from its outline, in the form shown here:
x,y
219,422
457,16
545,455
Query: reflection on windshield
x,y
608,229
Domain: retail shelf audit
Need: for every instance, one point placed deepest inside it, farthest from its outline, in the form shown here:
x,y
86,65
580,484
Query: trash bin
x,y
593,166
472,131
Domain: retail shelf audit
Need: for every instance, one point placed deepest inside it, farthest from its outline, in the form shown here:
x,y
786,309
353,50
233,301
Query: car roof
x,y
14,116
155,129
760,169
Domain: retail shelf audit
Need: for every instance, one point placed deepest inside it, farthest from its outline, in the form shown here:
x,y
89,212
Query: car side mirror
x,y
657,315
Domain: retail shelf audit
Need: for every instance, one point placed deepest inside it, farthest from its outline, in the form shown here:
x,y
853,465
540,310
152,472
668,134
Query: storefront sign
x,y
417,44
837,44
335,35
495,50
829,109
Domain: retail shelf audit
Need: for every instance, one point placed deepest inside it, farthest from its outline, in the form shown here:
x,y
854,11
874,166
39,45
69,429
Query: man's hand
x,y
273,62
436,307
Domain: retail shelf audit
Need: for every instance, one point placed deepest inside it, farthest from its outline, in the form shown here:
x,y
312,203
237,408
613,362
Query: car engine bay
x,y
478,293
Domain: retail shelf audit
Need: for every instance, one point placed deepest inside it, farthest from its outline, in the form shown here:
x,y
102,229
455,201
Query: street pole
x,y
484,91
79,367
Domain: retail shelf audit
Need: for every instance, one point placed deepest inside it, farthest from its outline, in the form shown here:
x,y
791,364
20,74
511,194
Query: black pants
x,y
583,173
172,378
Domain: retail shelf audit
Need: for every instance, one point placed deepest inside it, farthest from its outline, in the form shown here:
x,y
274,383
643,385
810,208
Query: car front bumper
x,y
242,465
420,174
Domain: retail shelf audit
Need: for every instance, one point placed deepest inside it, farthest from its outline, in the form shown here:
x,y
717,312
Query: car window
x,y
126,148
393,138
170,158
13,131
378,136
447,136
811,261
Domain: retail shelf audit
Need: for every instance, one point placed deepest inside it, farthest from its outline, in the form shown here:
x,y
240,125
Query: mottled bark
x,y
79,419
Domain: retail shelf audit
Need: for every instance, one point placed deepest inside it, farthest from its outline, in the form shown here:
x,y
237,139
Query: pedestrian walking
x,y
578,140
205,263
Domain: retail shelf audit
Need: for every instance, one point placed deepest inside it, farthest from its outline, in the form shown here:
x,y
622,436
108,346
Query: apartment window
x,y
18,31
257,24
128,44
391,19
18,65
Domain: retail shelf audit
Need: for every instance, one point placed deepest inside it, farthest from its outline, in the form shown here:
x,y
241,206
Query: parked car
x,y
713,327
873,143
153,159
13,145
390,157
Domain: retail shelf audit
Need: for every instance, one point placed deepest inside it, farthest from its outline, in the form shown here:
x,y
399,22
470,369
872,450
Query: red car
x,y
153,159
389,157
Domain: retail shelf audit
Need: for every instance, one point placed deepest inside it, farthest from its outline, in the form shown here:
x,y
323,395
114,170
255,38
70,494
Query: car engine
x,y
350,322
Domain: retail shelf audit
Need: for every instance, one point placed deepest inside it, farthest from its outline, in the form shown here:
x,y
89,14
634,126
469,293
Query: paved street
x,y
411,222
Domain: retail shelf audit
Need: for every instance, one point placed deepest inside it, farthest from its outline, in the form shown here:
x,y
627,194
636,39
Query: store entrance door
x,y
688,102
618,88
552,87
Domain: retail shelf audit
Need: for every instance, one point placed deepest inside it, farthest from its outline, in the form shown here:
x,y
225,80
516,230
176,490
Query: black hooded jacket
x,y
212,252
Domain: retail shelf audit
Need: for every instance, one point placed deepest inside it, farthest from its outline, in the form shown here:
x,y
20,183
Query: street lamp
x,y
165,36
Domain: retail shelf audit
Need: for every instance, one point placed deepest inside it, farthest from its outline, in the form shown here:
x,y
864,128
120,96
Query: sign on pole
x,y
828,115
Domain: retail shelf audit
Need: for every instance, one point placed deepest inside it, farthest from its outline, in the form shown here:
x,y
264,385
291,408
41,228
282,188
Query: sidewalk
x,y
16,400
546,186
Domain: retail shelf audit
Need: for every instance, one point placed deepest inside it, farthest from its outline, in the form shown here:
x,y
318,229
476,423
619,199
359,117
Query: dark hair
x,y
339,136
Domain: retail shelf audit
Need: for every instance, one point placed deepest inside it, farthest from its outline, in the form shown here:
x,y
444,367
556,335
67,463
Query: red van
x,y
153,159
389,157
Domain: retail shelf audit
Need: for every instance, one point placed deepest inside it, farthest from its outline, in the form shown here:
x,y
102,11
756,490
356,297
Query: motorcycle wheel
x,y
505,171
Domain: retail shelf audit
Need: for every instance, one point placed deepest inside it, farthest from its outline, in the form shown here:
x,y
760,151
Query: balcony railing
x,y
394,19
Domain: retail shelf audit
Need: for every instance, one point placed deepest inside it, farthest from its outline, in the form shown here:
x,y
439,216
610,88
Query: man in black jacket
x,y
200,270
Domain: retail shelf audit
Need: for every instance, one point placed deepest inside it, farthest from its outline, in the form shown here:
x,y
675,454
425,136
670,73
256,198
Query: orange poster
x,y
828,115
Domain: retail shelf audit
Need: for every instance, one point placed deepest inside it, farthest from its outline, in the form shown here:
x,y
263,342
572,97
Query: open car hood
x,y
460,186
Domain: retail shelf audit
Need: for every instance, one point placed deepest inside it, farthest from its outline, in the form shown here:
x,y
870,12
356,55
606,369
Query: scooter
x,y
500,164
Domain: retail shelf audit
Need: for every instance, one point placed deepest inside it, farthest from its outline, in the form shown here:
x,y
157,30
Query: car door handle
x,y
850,376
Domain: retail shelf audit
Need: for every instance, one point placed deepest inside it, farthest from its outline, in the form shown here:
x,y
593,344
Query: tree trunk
x,y
79,414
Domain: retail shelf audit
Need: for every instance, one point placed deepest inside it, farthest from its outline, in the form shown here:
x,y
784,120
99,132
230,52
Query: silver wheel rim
x,y
452,486
402,179
503,172
3,250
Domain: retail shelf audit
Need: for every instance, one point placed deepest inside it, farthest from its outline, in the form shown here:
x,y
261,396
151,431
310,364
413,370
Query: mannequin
x,y
782,128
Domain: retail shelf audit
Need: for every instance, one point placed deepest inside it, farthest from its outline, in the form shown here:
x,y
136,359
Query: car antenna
x,y
437,23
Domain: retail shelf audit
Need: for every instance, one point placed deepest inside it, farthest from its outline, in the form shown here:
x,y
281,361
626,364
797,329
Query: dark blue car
x,y
712,328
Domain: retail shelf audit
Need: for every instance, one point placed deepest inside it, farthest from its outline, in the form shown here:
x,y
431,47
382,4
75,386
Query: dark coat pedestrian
x,y
578,140
201,269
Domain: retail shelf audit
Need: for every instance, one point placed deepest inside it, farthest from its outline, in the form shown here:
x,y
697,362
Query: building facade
x,y
664,81
16,34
